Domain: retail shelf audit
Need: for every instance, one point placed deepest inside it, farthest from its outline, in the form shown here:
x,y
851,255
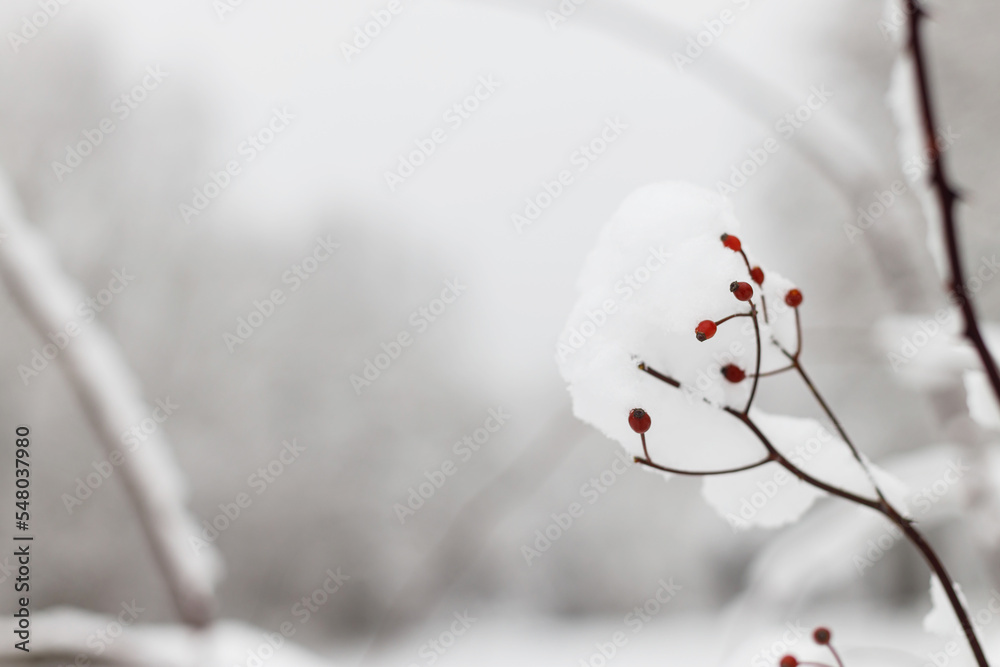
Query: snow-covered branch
x,y
110,396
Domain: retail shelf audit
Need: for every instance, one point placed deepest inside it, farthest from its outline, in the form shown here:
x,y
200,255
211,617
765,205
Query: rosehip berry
x,y
733,373
705,330
793,298
757,274
742,291
822,636
732,242
639,420
789,661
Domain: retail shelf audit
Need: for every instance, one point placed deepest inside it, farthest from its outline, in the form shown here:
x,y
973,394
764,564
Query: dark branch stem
x,y
702,473
836,422
881,505
659,376
756,373
927,551
726,319
777,371
798,472
947,198
798,335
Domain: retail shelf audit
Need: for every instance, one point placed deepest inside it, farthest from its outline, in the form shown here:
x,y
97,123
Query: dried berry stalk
x,y
641,421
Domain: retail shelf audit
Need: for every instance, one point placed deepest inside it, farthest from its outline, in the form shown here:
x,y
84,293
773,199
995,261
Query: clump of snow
x,y
903,102
981,399
941,619
658,269
927,352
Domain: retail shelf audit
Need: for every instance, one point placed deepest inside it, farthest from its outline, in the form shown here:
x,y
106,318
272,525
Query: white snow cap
x,y
658,269
941,619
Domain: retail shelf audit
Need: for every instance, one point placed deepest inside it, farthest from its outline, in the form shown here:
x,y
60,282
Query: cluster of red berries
x,y
742,291
820,635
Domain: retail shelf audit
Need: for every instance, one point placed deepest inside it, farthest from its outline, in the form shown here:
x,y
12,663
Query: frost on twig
x,y
110,396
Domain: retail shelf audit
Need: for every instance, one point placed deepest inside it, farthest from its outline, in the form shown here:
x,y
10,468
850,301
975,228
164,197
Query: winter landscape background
x,y
462,272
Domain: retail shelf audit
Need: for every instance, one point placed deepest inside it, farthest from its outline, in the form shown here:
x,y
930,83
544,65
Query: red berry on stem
x,y
705,330
822,636
639,420
793,298
757,274
742,291
789,661
733,373
732,242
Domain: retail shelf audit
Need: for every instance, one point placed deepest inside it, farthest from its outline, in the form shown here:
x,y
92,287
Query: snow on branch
x,y
110,396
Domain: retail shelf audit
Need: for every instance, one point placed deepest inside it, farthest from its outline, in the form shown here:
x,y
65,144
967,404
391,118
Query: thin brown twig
x,y
777,371
880,505
702,473
756,373
836,656
947,198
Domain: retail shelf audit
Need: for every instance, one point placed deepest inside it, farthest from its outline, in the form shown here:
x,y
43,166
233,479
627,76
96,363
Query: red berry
x,y
639,420
732,242
705,330
789,661
822,636
793,298
733,373
742,291
757,274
